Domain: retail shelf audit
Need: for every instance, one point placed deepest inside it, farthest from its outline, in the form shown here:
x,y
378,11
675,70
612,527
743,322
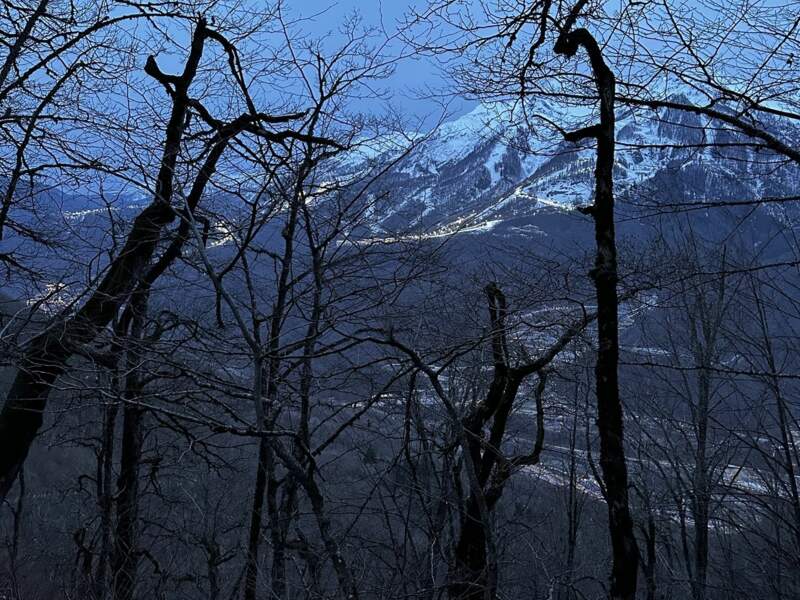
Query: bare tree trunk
x,y
788,444
259,495
469,579
473,573
650,565
649,531
106,498
46,356
279,517
701,496
705,315
266,466
287,511
572,504
609,407
126,553
126,558
13,546
347,585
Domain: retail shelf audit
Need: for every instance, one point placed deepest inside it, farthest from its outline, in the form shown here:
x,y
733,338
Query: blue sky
x,y
418,88
414,78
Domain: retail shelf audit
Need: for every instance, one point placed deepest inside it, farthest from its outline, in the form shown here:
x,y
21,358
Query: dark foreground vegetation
x,y
265,336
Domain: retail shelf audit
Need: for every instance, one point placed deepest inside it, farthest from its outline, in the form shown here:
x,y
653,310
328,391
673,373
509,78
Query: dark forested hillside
x,y
453,300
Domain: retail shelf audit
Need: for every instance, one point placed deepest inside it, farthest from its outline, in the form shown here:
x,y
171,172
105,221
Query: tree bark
x,y
124,564
266,459
473,575
625,556
701,495
256,518
46,356
105,497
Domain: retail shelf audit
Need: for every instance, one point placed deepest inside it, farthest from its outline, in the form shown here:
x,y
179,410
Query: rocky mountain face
x,y
500,169
493,174
490,170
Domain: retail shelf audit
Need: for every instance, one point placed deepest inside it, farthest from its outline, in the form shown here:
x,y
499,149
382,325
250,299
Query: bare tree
x,y
47,354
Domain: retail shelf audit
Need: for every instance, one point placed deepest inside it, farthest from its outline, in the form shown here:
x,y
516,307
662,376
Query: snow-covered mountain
x,y
495,172
501,168
497,167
